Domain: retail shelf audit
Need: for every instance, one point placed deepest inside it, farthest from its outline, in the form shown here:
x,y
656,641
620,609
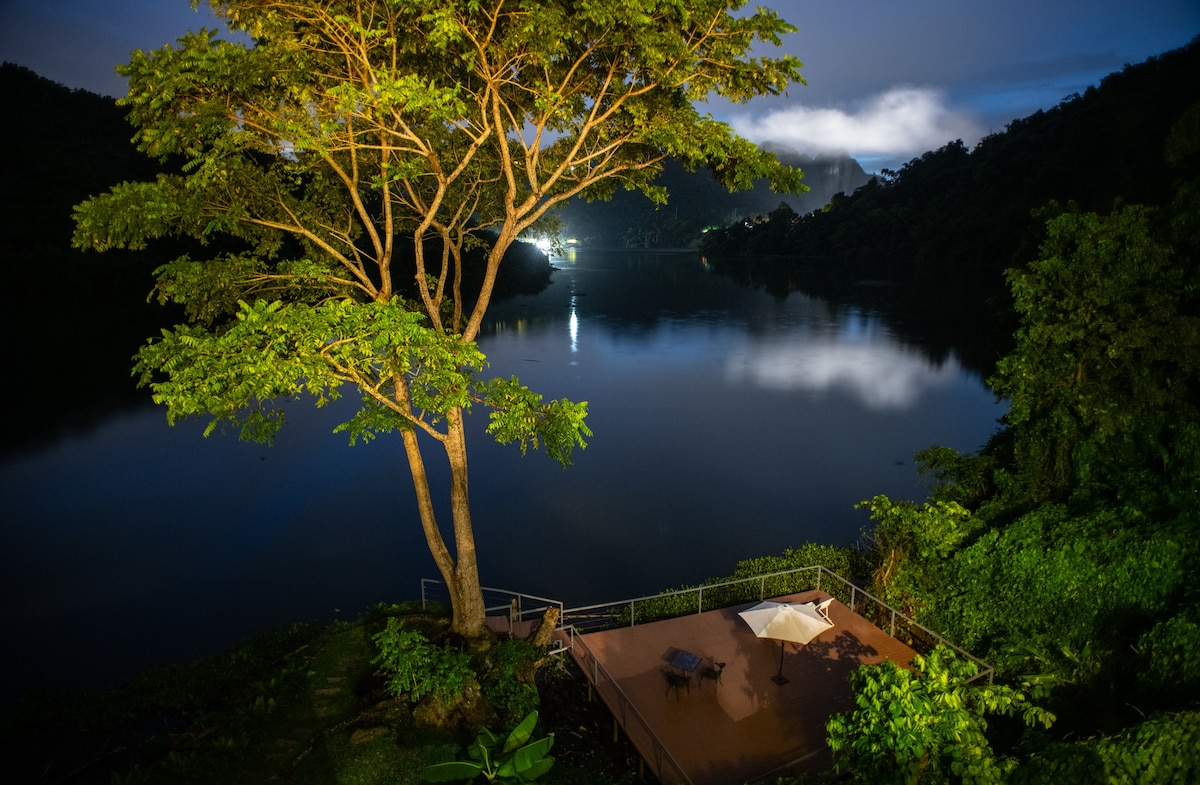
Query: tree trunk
x,y
469,615
459,570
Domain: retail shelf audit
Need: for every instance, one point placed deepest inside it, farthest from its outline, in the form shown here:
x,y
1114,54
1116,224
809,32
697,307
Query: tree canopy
x,y
1102,378
339,165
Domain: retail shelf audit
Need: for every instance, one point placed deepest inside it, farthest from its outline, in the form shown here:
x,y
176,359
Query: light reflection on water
x,y
728,424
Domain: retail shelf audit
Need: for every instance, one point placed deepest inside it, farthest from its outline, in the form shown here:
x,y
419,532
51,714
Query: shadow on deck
x,y
745,727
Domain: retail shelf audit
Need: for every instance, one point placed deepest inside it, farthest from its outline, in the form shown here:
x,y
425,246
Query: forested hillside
x,y
61,146
964,215
61,302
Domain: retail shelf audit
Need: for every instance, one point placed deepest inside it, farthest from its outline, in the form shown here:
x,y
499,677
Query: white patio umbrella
x,y
785,621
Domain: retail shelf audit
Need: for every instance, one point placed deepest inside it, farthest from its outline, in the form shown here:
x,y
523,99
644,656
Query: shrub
x,y
415,667
507,681
1160,750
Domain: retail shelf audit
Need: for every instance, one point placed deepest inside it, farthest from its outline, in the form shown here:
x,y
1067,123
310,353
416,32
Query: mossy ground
x,y
301,706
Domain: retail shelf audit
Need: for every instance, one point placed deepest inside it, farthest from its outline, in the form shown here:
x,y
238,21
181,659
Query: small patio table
x,y
684,660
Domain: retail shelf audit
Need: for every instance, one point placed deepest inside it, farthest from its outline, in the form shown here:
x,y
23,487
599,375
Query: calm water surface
x,y
728,424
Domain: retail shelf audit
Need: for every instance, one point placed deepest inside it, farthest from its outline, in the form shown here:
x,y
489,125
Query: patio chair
x,y
711,671
675,681
823,608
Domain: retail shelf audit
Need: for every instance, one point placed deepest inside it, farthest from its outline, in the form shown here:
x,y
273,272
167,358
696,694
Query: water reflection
x,y
717,410
728,424
573,326
880,374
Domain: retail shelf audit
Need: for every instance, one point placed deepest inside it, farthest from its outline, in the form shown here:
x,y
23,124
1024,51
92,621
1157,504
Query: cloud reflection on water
x,y
882,374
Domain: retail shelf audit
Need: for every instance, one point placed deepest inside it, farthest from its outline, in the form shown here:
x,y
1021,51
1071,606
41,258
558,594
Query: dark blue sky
x,y
887,79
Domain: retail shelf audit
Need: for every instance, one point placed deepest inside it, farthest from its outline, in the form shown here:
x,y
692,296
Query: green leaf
x,y
530,755
451,771
521,733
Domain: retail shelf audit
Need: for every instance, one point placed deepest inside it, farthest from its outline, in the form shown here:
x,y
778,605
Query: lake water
x,y
728,424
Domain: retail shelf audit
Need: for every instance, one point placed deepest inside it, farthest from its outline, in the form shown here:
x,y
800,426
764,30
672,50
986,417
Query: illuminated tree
x,y
357,150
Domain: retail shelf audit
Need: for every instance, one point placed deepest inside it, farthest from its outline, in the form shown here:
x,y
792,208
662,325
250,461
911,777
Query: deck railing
x,y
637,729
681,602
574,622
713,596
515,605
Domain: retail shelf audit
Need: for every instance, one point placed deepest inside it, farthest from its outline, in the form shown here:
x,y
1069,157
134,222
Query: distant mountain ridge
x,y
697,201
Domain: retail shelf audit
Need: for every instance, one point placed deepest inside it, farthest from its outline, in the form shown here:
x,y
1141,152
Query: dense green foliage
x,y
1065,553
926,725
843,561
507,679
908,544
1160,751
1103,377
414,667
1073,596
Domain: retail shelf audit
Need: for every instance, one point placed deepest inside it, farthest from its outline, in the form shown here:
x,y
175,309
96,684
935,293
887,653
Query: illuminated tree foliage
x,y
909,545
351,156
926,725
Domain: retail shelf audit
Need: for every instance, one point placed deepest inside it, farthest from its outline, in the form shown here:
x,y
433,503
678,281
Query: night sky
x,y
886,80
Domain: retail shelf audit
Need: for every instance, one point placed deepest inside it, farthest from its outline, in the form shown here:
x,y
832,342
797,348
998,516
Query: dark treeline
x,y
73,320
696,201
964,215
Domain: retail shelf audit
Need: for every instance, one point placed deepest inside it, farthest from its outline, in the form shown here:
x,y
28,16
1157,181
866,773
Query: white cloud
x,y
898,124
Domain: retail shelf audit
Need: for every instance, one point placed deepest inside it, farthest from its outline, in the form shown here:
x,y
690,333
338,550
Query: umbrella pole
x,y
779,678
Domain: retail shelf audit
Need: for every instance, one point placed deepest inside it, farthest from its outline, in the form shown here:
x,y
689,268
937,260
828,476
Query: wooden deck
x,y
746,727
